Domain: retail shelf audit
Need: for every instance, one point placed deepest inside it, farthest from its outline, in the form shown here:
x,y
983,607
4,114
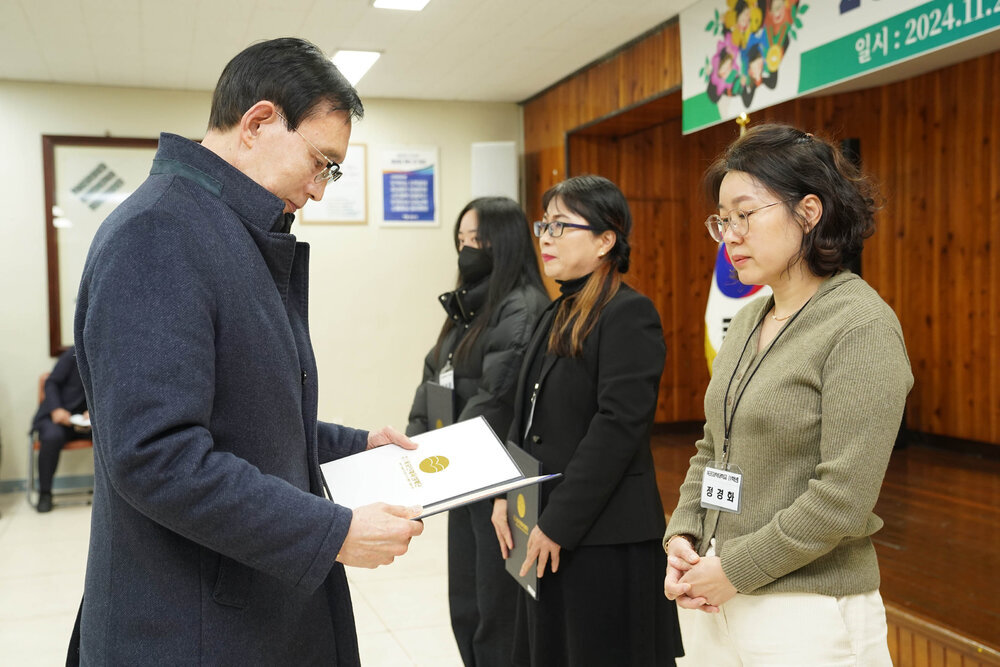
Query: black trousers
x,y
605,606
482,597
53,437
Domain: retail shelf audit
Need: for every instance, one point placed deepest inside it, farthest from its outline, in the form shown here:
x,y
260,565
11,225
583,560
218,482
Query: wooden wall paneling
x,y
600,92
650,67
921,651
915,641
957,315
905,655
915,206
935,655
977,231
672,258
690,272
593,155
597,92
892,639
991,223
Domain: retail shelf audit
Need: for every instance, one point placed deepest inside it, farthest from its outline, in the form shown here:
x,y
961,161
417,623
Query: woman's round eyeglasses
x,y
736,220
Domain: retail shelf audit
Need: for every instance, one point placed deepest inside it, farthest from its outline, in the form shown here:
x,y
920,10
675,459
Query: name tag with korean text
x,y
447,377
720,487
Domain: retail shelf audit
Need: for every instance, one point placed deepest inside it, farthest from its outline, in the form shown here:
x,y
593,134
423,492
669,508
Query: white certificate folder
x,y
452,466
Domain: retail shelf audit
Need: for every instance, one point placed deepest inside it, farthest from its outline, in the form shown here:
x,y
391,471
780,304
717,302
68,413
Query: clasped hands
x,y
380,532
540,547
695,582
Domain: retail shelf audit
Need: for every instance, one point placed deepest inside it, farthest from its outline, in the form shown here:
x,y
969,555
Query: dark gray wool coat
x,y
210,541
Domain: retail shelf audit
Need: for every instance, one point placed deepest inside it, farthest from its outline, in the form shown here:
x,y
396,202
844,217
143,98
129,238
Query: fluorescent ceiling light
x,y
409,5
354,64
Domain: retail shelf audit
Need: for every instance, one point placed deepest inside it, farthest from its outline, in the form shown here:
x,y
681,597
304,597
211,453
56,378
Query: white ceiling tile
x,y
504,50
163,28
20,55
327,24
271,23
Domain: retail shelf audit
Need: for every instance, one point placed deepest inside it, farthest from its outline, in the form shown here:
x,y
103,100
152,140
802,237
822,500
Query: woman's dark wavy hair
x,y
598,201
503,235
792,164
290,72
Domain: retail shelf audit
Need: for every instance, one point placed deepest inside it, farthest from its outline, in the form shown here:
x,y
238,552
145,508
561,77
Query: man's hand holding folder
x,y
380,532
454,466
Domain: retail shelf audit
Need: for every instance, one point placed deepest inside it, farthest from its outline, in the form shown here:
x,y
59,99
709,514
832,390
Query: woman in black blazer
x,y
586,398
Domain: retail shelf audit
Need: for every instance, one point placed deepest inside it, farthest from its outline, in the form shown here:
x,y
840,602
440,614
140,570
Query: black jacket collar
x,y
463,304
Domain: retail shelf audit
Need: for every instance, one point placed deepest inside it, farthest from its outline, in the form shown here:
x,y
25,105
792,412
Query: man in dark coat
x,y
64,397
211,541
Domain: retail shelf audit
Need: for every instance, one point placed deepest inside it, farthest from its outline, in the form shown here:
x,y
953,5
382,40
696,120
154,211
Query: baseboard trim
x,y
63,483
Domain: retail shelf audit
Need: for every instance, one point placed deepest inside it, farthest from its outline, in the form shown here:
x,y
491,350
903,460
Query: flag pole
x,y
743,120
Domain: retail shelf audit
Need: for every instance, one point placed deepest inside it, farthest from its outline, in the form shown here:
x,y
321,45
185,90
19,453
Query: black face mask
x,y
474,264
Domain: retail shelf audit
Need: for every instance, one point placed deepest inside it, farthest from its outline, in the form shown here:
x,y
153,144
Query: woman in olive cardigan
x,y
805,402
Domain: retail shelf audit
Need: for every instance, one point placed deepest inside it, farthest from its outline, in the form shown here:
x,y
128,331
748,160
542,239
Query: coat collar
x,y
191,160
260,211
463,304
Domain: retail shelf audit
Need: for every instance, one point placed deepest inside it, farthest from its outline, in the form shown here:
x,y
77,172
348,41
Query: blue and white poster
x,y
409,186
726,297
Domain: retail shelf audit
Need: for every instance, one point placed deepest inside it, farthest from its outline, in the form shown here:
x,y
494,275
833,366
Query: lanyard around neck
x,y
727,418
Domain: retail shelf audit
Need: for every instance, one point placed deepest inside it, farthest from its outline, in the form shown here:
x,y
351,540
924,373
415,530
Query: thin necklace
x,y
782,319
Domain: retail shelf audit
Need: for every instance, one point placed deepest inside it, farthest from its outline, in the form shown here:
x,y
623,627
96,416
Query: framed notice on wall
x,y
85,179
410,186
345,201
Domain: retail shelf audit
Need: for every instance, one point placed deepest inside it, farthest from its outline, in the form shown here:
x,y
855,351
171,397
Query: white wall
x,y
373,307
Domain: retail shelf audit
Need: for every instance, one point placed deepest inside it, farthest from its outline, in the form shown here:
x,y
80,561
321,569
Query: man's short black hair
x,y
290,72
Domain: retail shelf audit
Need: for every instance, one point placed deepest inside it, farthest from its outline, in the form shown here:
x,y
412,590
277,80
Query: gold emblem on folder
x,y
434,464
438,424
520,505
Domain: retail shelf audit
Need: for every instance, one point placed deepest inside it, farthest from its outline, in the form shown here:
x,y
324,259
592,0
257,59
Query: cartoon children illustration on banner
x,y
753,42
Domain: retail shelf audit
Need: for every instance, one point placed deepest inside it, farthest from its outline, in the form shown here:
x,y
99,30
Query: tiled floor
x,y
401,610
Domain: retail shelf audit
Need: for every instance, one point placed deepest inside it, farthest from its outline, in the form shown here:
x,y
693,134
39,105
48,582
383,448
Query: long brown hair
x,y
598,201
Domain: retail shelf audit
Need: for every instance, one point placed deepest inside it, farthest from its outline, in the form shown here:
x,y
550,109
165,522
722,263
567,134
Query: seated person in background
x,y
64,397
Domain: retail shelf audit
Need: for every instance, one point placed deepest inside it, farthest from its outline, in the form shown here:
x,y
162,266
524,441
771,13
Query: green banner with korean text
x,y
921,30
738,56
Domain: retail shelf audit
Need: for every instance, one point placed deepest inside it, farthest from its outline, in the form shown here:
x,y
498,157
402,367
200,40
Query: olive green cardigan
x,y
812,434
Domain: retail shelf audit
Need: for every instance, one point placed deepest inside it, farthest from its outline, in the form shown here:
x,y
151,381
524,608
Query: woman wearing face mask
x,y
586,398
489,319
770,553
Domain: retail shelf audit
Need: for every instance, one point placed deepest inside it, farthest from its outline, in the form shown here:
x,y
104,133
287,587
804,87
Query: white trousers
x,y
788,629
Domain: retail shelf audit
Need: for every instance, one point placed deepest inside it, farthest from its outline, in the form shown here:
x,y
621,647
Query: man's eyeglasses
x,y
737,220
555,228
332,170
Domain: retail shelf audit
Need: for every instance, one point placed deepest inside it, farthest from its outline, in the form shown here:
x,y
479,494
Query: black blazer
x,y
591,422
